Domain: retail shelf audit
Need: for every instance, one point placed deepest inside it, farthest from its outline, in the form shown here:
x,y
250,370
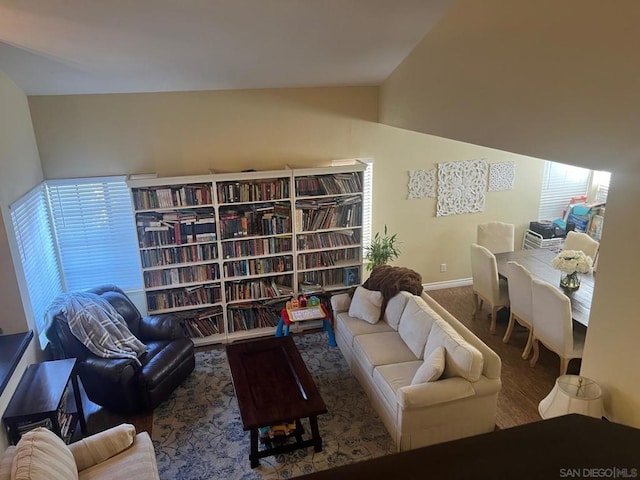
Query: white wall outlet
x,y
443,267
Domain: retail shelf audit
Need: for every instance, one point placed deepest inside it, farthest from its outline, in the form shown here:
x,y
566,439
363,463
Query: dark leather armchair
x,y
120,384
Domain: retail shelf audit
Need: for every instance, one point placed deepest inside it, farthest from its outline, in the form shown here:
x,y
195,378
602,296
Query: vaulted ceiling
x,y
95,46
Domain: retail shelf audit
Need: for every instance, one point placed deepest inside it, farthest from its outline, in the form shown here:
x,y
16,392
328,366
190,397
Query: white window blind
x,y
36,246
367,207
560,184
367,198
95,231
602,179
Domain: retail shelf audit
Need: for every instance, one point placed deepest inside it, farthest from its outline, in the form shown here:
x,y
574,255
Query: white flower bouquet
x,y
571,261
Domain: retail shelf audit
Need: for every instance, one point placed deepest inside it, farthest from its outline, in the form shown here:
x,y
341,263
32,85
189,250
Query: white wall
x,y
557,80
190,133
20,170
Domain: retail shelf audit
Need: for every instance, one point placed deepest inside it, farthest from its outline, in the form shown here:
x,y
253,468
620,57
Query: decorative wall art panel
x,y
422,183
461,187
501,176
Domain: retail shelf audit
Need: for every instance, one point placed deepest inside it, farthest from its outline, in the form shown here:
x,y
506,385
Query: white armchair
x,y
116,453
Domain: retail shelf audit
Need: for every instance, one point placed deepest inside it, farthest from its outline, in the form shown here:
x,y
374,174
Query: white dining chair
x,y
498,237
582,241
553,325
487,286
520,303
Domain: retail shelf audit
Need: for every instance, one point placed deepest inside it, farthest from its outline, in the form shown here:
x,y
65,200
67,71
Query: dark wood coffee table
x,y
273,386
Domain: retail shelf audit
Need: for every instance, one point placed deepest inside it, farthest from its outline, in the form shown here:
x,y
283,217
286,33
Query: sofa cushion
x,y
382,348
462,359
365,305
138,462
415,324
42,455
395,307
349,327
389,378
432,367
101,446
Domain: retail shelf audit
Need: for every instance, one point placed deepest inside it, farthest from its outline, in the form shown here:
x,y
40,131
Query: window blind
x,y
36,247
367,198
367,206
602,180
560,184
95,232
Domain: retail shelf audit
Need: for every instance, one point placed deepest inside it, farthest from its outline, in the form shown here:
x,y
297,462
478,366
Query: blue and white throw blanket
x,y
98,325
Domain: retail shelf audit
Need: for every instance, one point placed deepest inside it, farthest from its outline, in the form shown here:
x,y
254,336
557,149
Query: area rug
x,y
197,432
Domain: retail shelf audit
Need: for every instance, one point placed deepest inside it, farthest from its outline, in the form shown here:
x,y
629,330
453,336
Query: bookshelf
x,y
328,226
177,229
256,230
225,251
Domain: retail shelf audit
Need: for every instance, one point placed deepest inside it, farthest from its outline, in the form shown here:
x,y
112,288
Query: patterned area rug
x,y
197,432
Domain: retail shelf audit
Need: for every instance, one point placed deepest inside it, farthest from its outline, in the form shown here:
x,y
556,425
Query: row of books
x,y
202,328
277,432
256,289
184,297
173,255
336,184
176,196
175,276
253,190
258,266
343,238
254,224
328,258
66,421
334,276
256,246
24,427
175,228
339,216
247,317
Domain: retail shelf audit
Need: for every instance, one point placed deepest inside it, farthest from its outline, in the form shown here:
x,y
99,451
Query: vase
x,y
570,281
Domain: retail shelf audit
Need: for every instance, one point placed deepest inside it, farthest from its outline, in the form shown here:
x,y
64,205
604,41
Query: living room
x,y
413,120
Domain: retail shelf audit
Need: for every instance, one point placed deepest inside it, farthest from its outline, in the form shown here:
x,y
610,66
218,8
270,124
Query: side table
x,y
43,399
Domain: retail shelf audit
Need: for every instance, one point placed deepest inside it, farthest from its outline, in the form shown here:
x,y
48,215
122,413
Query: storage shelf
x,y
169,266
174,209
183,285
184,308
236,208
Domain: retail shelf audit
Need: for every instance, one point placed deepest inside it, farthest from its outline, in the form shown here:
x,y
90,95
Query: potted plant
x,y
382,249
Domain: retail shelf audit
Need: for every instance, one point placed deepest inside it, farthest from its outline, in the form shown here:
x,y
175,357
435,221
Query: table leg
x,y
329,329
279,327
78,399
315,434
253,456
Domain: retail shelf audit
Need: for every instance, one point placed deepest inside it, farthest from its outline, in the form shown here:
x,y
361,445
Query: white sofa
x,y
385,356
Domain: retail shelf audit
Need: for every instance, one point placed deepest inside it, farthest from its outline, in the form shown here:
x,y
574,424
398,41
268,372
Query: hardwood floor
x,y
522,386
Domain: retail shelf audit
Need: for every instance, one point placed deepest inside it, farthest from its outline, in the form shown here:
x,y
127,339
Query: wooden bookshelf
x,y
225,251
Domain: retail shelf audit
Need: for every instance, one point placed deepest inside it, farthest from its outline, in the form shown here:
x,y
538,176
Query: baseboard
x,y
463,282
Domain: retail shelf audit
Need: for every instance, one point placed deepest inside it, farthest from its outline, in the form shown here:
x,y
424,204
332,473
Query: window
x,y
601,181
95,232
560,184
367,198
37,250
367,210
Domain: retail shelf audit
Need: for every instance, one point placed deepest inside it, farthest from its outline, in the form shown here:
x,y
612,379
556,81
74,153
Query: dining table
x,y
538,262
